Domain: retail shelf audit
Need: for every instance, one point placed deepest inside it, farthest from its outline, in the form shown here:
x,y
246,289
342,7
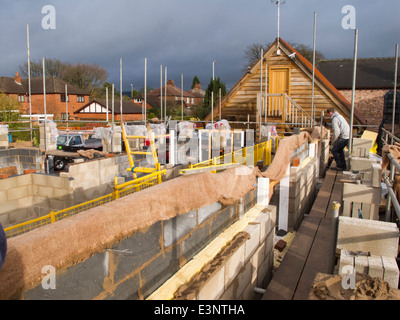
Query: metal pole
x,y
166,85
395,91
182,97
120,86
261,84
212,107
145,91
45,108
29,81
161,93
66,106
313,74
353,94
112,117
220,108
214,70
266,92
108,110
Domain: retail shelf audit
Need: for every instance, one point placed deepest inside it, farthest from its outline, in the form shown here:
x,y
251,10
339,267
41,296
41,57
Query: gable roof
x,y
128,107
172,90
303,64
372,73
319,76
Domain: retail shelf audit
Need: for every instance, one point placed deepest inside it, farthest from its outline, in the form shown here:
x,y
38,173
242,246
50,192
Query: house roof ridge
x,y
358,59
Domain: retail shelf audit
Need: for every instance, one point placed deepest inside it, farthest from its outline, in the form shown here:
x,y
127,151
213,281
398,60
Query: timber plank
x,y
320,259
284,283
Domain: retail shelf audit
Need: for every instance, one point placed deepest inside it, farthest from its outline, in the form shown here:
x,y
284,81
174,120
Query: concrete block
x,y
17,193
361,193
243,279
252,244
361,147
357,163
205,212
233,265
375,267
345,260
361,264
377,237
214,287
390,271
178,227
376,174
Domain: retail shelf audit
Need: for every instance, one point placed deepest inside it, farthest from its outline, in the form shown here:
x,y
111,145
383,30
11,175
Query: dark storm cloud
x,y
186,35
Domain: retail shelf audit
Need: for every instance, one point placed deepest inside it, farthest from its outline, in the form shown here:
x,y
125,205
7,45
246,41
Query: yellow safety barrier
x,y
119,191
261,151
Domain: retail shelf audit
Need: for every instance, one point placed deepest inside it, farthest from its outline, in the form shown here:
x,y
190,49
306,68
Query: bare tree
x,y
253,52
84,76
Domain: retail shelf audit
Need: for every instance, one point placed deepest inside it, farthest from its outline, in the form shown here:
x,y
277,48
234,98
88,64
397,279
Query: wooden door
x,y
279,84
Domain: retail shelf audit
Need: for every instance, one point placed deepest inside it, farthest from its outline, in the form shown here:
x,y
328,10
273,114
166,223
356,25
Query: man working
x,y
340,138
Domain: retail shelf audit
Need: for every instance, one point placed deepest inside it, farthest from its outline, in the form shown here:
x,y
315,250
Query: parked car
x,y
74,142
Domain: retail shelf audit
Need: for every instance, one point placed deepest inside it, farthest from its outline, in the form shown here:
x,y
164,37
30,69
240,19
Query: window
x,y
80,99
21,98
63,98
388,107
64,116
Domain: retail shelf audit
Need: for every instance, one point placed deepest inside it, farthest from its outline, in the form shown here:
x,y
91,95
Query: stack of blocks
x,y
365,196
369,247
302,191
47,142
115,145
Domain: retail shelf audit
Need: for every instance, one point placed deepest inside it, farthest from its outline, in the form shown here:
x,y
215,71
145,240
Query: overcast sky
x,y
186,35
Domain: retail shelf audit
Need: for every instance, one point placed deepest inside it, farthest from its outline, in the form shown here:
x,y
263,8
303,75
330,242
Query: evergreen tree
x,y
214,87
195,80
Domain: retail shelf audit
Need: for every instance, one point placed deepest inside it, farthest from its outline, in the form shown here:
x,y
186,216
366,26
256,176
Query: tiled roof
x,y
8,85
372,73
53,85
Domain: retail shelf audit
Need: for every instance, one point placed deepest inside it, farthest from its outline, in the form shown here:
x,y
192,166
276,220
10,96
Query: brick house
x,y
97,110
374,87
55,95
191,98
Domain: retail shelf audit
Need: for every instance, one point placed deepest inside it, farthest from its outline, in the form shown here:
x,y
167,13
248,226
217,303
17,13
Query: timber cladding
x,y
281,74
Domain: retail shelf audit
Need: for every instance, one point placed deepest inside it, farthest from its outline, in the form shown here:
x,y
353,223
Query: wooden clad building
x,y
287,99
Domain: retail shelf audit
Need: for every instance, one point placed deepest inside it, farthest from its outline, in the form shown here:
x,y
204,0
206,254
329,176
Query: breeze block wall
x,y
138,265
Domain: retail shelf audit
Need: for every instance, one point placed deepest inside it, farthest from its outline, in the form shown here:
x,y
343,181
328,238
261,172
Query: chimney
x,y
171,82
17,78
197,86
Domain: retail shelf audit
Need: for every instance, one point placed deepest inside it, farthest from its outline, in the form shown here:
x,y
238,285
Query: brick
x,y
280,245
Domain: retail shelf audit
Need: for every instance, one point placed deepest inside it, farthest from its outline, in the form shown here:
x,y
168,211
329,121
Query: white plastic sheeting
x,y
3,129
